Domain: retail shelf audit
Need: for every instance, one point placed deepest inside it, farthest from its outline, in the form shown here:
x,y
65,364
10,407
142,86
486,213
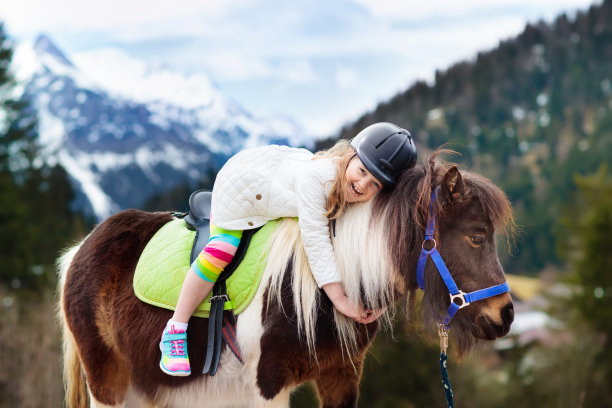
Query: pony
x,y
290,333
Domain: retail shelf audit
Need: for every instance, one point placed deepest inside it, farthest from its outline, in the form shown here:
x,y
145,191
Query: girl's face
x,y
362,185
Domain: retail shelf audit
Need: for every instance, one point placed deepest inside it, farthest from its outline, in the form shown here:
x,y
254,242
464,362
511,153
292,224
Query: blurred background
x,y
133,104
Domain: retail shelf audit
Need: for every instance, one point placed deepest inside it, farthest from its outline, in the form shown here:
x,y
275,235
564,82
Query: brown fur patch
x,y
285,360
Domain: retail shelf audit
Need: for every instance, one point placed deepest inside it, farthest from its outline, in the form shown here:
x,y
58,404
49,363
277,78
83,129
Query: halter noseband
x,y
463,298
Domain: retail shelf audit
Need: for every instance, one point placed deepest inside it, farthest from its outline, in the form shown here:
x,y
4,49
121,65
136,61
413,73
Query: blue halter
x,y
463,299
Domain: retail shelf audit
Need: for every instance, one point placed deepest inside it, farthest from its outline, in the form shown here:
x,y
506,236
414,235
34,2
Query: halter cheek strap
x,y
458,298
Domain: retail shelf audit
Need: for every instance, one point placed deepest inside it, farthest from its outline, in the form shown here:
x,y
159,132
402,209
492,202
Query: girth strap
x,y
229,335
215,328
221,326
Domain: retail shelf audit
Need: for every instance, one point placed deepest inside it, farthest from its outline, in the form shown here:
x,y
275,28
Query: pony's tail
x,y
74,378
75,387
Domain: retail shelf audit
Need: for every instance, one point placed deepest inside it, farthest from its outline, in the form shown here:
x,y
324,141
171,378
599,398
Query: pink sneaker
x,y
174,357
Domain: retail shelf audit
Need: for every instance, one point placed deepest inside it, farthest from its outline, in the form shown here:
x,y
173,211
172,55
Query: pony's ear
x,y
453,188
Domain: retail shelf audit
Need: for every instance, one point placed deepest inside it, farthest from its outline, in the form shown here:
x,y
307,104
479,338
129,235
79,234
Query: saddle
x,y
220,324
198,219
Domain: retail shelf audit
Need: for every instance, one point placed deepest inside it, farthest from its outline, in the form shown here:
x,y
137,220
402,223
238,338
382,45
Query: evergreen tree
x,y
587,243
35,217
17,145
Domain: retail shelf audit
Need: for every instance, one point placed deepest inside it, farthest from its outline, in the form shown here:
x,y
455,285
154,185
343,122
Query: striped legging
x,y
217,254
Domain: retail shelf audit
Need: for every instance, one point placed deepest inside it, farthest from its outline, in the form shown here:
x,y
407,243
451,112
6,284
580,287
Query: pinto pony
x,y
290,333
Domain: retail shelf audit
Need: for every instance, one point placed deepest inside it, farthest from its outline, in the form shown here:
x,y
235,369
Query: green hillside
x,y
529,114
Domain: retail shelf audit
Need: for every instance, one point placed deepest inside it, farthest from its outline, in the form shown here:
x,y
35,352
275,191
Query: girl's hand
x,y
373,315
343,304
349,309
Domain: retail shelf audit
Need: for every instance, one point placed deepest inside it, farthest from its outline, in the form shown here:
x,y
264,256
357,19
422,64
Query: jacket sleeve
x,y
311,192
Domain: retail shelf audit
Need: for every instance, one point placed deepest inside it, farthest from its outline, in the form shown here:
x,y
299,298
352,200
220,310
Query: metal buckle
x,y
460,296
443,334
218,298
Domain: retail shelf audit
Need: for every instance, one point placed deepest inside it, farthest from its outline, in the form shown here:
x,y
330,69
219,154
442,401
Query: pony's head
x,y
377,244
470,210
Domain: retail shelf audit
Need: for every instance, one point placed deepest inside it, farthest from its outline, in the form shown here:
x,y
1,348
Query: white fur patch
x,y
362,254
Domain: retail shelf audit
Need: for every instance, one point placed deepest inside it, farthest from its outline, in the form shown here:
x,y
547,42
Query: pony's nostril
x,y
507,314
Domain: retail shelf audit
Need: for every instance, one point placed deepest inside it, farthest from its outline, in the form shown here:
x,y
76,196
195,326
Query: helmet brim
x,y
374,169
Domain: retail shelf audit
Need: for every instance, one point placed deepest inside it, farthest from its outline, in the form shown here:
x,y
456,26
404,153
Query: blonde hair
x,y
342,153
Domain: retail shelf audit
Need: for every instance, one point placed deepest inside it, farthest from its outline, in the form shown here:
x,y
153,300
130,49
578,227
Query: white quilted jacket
x,y
270,182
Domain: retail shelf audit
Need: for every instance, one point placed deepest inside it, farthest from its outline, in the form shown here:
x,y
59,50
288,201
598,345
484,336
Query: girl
x,y
271,182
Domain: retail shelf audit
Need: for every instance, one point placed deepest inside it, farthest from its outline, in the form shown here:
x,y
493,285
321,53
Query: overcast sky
x,y
322,62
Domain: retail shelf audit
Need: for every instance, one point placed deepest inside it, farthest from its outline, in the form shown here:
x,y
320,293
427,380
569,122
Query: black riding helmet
x,y
386,150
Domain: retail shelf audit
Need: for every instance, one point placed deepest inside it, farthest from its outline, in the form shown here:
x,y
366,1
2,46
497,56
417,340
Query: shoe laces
x,y
177,347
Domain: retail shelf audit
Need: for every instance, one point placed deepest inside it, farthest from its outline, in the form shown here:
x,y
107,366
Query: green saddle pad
x,y
164,263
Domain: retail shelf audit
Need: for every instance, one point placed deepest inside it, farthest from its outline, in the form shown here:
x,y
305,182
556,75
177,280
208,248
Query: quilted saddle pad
x,y
164,263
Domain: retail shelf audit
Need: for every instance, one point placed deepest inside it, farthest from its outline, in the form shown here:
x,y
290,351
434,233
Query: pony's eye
x,y
476,239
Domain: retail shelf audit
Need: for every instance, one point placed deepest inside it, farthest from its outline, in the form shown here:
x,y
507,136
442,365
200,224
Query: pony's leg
x,y
135,400
107,377
95,404
132,400
103,381
281,400
106,383
338,387
91,331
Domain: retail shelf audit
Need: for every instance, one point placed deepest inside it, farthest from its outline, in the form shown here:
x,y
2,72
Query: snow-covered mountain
x,y
125,131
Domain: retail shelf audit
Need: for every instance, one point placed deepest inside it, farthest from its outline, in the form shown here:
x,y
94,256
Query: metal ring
x,y
435,244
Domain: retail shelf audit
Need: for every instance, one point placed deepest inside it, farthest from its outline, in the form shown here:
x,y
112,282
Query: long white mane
x,y
362,255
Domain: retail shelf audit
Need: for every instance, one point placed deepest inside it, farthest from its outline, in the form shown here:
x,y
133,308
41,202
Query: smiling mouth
x,y
355,189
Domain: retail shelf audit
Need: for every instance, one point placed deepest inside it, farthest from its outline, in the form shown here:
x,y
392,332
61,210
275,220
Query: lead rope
x,y
443,333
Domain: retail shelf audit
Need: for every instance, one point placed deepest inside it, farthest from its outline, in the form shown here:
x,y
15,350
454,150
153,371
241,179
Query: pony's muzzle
x,y
495,322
